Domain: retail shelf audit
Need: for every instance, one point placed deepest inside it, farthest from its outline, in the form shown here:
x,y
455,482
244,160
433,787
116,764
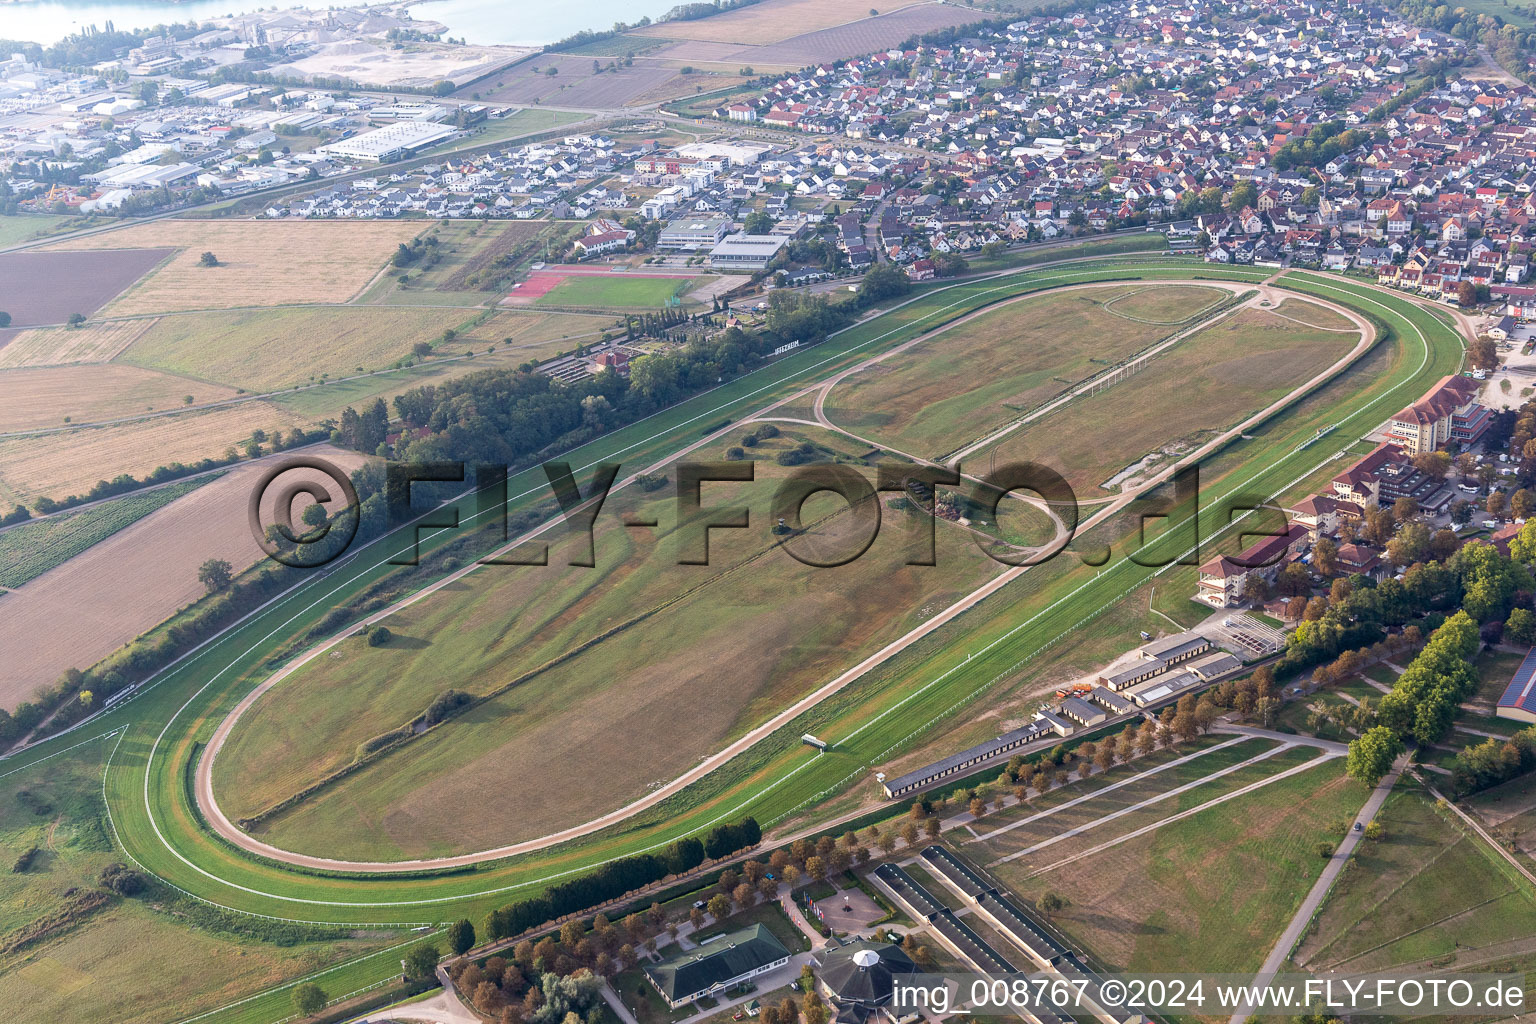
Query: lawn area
x,y
1209,381
31,549
1297,716
957,385
24,227
1430,890
1047,842
574,652
770,916
617,291
1173,900
1495,669
267,349
99,968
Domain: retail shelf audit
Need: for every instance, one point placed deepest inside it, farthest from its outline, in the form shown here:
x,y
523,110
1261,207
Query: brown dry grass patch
x,y
57,346
36,397
129,582
768,22
57,465
262,263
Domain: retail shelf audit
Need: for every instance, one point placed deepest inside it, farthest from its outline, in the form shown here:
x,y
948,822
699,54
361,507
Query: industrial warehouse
x,y
1149,681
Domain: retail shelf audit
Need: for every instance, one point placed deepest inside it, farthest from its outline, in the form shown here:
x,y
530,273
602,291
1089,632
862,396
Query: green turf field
x,y
618,291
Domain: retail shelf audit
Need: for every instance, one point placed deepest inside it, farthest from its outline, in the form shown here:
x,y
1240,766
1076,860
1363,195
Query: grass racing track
x,y
155,734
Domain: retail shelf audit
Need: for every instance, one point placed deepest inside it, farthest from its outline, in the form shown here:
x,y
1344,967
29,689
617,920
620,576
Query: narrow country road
x,y
1324,884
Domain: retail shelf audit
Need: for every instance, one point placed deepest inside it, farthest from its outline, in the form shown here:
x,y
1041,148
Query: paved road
x,y
1309,906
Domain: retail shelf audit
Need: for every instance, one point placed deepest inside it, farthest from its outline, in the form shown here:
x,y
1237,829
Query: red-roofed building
x,y
1449,412
1224,581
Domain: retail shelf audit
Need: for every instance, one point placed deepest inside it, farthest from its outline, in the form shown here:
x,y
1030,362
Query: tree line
x,y
620,876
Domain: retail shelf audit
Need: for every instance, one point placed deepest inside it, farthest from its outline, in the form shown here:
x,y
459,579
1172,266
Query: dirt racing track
x,y
207,799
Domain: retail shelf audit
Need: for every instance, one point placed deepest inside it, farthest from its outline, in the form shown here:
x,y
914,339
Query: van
x,y
1490,524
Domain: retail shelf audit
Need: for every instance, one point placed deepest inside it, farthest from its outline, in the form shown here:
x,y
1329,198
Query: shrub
x,y
379,636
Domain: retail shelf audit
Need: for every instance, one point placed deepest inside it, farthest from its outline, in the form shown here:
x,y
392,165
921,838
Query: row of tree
x,y
618,877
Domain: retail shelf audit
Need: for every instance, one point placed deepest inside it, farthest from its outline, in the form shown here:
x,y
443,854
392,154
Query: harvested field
x,y
30,549
267,349
129,582
934,397
851,40
1204,383
509,620
39,397
39,287
56,465
57,346
537,335
768,22
574,84
261,262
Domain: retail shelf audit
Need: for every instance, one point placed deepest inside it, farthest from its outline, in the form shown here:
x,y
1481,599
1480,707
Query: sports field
x,y
908,702
261,262
266,349
784,627
1206,382
983,373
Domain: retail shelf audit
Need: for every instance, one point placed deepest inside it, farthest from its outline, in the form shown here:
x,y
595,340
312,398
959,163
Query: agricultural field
x,y
842,41
261,262
573,83
99,967
30,549
1170,900
42,397
39,288
768,22
98,342
609,625
1429,891
132,579
262,350
25,227
1207,382
982,373
69,462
